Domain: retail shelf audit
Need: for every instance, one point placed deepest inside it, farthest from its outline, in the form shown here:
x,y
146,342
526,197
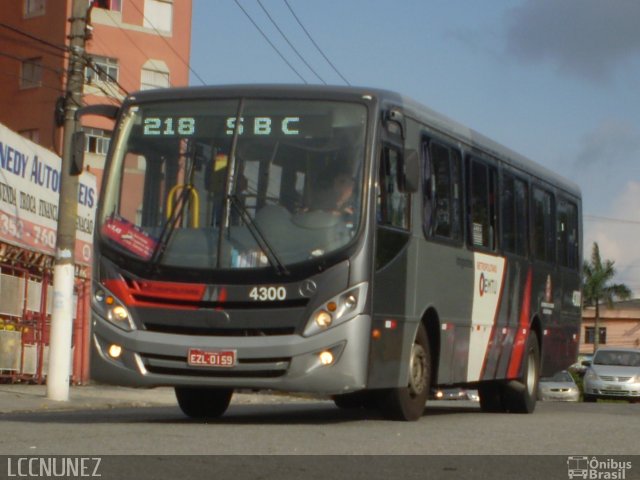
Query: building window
x,y
31,73
34,8
31,134
113,5
154,79
102,69
96,140
589,335
158,14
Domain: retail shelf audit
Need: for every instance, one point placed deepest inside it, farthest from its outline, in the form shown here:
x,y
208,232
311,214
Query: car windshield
x,y
618,358
558,377
189,186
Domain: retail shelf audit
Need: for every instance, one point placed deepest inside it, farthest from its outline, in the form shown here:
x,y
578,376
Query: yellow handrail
x,y
195,211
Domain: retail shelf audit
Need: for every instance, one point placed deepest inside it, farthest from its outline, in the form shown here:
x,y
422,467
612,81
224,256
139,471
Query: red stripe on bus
x,y
144,293
494,328
520,339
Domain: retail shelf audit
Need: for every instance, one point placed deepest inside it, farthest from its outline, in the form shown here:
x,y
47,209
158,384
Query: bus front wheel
x,y
203,403
407,403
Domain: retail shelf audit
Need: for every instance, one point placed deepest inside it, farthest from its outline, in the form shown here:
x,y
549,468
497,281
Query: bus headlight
x,y
110,308
337,310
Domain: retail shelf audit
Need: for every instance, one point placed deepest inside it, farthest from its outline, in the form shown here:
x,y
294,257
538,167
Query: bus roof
x,y
386,98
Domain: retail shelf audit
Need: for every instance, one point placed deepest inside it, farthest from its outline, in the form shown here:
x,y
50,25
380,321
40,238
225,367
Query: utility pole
x,y
64,266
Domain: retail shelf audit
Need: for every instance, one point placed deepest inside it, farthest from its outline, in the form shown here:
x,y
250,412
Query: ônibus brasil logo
x,y
593,468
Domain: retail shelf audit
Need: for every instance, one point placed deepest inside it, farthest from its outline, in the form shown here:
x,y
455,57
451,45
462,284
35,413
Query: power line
x,y
315,44
42,49
598,218
98,69
33,37
40,84
264,35
169,45
23,59
121,67
290,44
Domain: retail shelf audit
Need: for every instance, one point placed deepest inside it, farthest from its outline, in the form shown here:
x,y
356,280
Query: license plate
x,y
202,358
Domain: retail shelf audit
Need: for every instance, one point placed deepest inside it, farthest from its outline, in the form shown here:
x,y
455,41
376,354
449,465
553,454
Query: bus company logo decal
x,y
488,283
597,468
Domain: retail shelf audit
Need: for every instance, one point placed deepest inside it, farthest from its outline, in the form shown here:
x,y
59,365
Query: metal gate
x,y
26,300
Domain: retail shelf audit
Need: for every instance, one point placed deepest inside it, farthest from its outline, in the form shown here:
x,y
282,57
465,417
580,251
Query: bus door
x,y
392,285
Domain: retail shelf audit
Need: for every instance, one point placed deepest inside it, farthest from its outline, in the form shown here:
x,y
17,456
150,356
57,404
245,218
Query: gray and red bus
x,y
343,241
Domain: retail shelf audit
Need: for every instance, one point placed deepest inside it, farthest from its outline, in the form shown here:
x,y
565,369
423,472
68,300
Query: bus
x,y
344,241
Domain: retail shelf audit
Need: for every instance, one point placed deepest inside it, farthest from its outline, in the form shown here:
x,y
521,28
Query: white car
x,y
614,373
560,387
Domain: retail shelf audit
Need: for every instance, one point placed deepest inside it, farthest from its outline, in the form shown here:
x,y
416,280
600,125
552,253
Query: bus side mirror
x,y
77,153
77,140
411,171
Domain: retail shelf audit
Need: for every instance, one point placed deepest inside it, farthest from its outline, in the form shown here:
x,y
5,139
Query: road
x,y
272,437
303,426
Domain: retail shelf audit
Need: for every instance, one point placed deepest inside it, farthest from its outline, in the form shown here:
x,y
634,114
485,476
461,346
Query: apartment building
x,y
133,45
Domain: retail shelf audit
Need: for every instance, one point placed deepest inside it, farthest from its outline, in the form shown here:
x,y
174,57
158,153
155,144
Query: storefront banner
x,y
29,195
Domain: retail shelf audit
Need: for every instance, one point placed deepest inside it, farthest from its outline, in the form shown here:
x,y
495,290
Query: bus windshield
x,y
189,186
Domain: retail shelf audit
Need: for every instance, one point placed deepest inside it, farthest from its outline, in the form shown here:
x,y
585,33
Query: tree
x,y
597,287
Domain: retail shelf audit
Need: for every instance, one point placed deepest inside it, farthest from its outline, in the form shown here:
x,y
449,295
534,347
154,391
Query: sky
x,y
555,80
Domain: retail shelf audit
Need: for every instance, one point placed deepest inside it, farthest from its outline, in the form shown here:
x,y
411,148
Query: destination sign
x,y
255,126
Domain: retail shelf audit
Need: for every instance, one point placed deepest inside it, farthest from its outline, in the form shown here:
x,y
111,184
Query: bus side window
x,y
567,234
393,204
514,215
482,205
442,192
543,239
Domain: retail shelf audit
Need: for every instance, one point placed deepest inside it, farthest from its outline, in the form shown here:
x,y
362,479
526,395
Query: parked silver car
x,y
560,387
614,373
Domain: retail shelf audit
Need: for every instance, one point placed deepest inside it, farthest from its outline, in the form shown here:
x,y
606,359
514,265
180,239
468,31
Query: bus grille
x,y
219,332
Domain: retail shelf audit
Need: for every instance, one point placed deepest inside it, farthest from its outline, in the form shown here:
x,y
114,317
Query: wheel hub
x,y
417,370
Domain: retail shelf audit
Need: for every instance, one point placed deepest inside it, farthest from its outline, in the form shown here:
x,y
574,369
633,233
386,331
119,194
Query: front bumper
x,y
279,362
553,396
605,389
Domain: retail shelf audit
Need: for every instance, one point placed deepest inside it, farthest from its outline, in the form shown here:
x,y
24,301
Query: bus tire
x,y
523,400
352,400
203,403
491,397
407,403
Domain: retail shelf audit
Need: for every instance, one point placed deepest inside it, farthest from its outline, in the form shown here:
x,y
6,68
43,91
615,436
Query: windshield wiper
x,y
258,235
169,227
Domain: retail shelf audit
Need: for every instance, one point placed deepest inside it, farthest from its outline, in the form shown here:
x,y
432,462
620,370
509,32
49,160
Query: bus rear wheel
x,y
491,394
407,403
360,399
521,398
203,403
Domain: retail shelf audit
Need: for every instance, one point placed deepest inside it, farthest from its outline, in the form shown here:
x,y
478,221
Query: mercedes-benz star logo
x,y
308,288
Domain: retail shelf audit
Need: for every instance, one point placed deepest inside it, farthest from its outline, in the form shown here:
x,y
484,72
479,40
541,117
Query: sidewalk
x,y
16,398
22,398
